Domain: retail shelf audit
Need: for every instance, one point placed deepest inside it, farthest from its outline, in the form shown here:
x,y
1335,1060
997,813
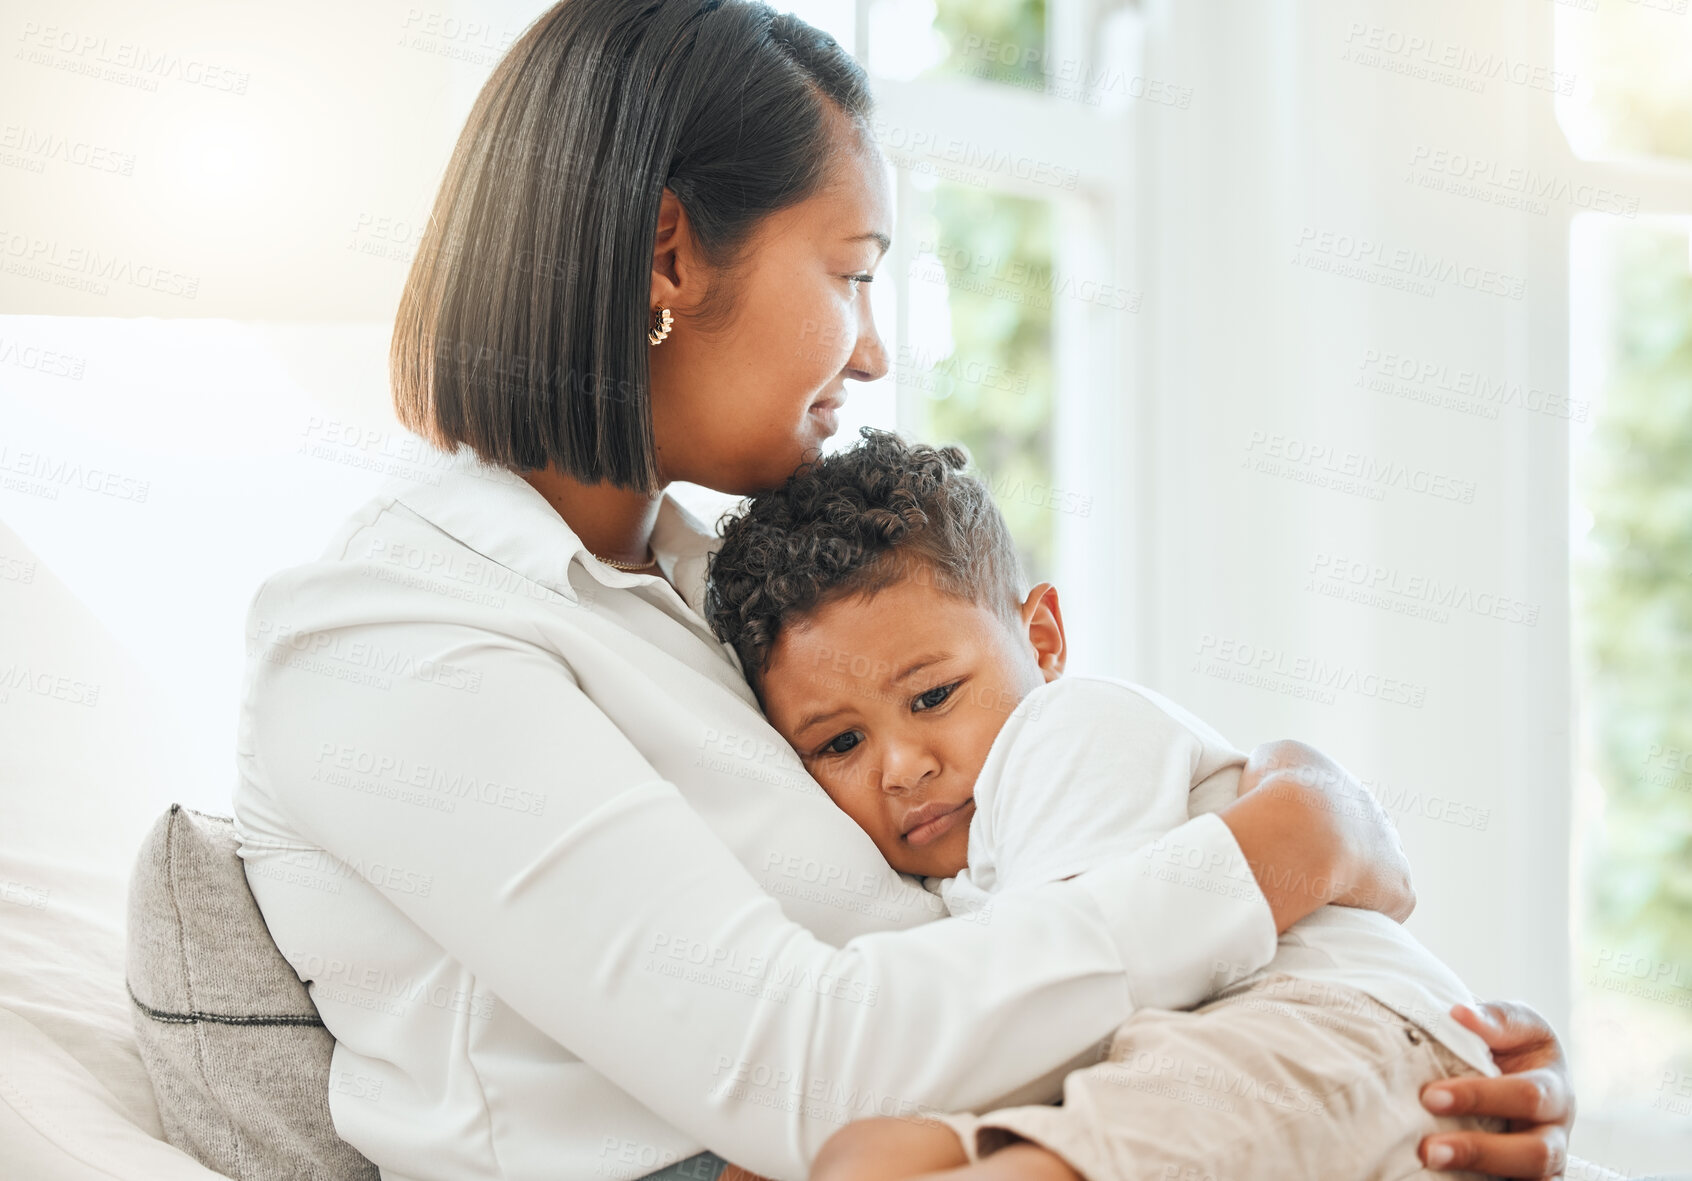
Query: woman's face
x,y
739,409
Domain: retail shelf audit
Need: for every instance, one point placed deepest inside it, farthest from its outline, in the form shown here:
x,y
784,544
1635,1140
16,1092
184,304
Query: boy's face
x,y
892,701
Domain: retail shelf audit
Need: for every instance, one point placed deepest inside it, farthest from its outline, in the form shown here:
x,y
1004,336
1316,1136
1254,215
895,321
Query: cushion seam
x,y
194,1016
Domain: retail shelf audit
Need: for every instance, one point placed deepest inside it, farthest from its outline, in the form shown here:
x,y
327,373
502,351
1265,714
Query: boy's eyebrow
x,y
816,720
909,670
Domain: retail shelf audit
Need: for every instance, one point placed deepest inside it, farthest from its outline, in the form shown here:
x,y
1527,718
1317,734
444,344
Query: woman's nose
x,y
868,361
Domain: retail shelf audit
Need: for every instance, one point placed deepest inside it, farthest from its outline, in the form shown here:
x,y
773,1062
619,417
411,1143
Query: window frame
x,y
1093,346
1663,187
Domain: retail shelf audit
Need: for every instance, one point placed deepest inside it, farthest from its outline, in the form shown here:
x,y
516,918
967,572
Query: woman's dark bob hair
x,y
521,331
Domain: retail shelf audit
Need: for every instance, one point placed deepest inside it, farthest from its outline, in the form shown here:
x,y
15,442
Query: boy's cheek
x,y
956,856
843,797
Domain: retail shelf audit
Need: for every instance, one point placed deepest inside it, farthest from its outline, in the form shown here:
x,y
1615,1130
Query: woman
x,y
600,917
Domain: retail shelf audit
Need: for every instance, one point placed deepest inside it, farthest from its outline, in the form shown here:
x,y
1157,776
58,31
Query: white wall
x,y
184,462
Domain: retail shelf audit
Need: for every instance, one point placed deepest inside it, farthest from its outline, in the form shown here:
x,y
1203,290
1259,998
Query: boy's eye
x,y
934,697
839,744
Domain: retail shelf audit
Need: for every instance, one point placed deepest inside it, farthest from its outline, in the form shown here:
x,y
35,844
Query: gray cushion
x,y
237,1053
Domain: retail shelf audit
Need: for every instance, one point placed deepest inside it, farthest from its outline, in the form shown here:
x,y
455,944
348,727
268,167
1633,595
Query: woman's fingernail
x,y
1439,1156
1438,1101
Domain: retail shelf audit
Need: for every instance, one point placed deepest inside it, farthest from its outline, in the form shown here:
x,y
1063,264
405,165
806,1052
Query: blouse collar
x,y
497,513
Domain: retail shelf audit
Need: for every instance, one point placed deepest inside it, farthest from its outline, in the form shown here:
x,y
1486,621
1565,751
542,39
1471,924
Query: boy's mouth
x,y
927,823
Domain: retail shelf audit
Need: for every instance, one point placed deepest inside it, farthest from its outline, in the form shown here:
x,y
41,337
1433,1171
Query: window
x,y
1631,469
978,364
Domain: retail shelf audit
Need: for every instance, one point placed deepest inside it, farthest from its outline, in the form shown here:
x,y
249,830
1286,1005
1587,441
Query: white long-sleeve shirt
x,y
570,906
1086,770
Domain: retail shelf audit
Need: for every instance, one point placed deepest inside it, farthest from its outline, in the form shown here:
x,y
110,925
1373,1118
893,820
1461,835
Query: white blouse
x,y
572,908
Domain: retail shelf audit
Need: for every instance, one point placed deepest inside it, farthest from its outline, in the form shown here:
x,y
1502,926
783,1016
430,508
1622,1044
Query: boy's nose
x,y
905,767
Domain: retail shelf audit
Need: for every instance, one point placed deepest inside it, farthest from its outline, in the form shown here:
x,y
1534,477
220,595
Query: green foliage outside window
x,y
994,393
1635,593
1633,580
997,40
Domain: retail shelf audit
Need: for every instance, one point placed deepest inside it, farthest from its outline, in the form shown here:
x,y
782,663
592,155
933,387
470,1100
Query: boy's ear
x,y
1042,621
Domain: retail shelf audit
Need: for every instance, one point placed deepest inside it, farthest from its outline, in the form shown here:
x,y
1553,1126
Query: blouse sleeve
x,y
558,912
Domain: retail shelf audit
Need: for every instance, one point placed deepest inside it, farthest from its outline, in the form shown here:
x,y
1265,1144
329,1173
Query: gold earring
x,y
661,326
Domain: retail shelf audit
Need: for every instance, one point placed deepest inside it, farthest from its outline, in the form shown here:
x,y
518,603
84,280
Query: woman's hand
x,y
1534,1095
1314,835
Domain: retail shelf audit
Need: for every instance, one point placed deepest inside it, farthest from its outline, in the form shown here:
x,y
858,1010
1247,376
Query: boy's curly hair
x,y
856,522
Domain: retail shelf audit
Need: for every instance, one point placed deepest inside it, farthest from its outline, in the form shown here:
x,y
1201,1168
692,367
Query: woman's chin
x,y
766,470
806,445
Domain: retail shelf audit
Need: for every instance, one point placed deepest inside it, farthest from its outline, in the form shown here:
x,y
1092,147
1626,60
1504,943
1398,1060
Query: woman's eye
x,y
859,278
934,697
839,744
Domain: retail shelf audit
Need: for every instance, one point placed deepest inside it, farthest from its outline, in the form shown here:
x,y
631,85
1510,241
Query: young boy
x,y
879,611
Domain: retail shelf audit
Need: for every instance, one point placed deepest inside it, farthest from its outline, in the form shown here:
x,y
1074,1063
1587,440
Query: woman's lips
x,y
827,417
827,412
936,827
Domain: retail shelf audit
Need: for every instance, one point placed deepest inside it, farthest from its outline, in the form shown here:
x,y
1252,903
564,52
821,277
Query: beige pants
x,y
1272,1081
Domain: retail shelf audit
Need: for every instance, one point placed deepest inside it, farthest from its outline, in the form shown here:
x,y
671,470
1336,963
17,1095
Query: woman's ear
x,y
669,252
1042,621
